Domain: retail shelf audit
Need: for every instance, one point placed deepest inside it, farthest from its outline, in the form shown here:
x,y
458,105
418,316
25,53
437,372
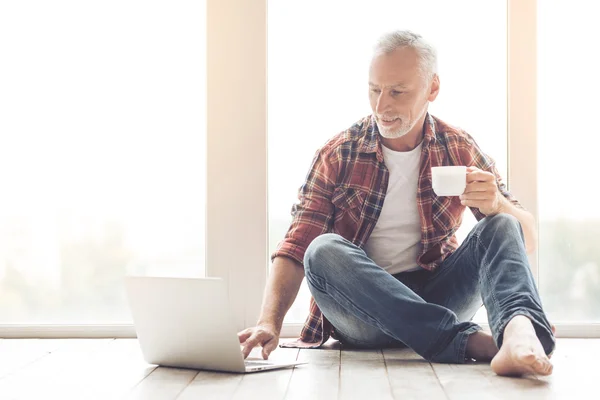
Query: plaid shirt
x,y
346,186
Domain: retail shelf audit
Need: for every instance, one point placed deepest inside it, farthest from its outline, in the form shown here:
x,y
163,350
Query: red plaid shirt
x,y
346,186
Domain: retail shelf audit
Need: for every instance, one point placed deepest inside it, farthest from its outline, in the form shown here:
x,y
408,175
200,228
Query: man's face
x,y
398,91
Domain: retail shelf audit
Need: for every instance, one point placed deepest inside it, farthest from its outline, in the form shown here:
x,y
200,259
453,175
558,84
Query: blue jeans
x,y
429,312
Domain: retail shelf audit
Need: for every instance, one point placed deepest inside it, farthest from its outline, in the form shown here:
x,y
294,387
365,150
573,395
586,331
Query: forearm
x,y
281,290
527,223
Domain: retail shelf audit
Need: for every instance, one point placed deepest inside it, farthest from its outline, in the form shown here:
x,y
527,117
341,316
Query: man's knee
x,y
323,250
502,224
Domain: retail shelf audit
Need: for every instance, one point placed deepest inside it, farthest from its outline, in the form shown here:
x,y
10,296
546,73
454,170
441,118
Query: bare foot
x,y
481,346
521,352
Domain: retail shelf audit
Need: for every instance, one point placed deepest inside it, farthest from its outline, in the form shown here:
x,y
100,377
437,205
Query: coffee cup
x,y
449,180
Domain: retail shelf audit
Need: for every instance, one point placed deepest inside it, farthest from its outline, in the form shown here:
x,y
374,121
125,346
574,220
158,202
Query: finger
x,y
480,176
477,196
244,335
268,348
249,345
477,187
475,203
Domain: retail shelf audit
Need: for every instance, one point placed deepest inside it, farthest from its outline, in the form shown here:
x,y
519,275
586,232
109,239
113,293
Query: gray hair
x,y
397,39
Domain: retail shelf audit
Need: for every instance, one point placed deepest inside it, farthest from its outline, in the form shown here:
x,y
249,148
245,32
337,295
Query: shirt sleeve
x,y
313,213
474,156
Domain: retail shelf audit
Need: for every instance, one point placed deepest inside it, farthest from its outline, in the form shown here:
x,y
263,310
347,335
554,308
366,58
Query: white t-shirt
x,y
396,239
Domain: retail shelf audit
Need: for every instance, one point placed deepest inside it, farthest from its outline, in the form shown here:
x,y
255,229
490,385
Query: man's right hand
x,y
261,335
282,287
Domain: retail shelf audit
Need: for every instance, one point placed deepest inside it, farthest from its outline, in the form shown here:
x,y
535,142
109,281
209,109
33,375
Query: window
x,y
318,84
102,153
569,219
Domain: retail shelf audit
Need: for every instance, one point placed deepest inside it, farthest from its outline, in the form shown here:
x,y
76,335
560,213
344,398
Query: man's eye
x,y
396,93
375,91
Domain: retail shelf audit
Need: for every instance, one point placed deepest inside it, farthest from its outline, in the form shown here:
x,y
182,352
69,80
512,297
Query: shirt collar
x,y
371,140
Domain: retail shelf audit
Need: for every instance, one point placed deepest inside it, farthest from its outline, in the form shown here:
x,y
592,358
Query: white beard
x,y
405,126
388,133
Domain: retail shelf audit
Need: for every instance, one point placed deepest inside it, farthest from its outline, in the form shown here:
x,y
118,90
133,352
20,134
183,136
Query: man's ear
x,y
434,88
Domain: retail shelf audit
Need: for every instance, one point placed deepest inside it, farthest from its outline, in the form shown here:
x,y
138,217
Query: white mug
x,y
449,180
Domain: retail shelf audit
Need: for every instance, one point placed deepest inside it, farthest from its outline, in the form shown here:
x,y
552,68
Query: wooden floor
x,y
114,369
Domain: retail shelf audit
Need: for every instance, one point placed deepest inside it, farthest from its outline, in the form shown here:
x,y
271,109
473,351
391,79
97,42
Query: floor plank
x,y
18,353
574,376
110,369
263,385
268,385
81,369
411,377
60,371
117,370
468,381
212,385
363,375
575,372
163,384
319,379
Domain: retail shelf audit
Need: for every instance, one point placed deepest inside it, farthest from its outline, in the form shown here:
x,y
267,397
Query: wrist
x,y
270,324
503,205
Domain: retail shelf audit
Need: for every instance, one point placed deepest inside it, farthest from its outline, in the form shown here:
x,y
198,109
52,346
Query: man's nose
x,y
382,103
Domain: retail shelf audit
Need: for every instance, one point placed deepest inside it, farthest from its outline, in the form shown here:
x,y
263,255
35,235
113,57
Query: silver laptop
x,y
187,323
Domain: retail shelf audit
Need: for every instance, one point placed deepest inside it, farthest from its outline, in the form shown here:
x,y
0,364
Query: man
x,y
377,246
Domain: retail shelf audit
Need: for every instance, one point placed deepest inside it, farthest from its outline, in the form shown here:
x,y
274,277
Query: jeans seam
x,y
462,349
312,278
446,270
486,275
354,340
354,306
461,352
345,336
437,339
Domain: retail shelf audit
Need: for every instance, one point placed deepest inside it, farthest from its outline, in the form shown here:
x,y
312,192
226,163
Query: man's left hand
x,y
482,192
